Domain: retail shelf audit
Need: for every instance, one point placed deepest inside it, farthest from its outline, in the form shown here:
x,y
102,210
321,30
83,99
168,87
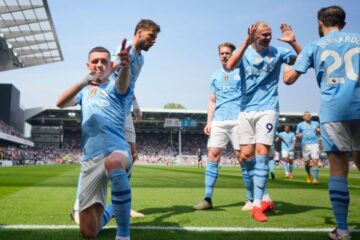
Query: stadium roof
x,y
27,34
70,118
153,119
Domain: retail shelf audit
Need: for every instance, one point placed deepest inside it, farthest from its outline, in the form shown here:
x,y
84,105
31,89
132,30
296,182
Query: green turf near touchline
x,y
44,195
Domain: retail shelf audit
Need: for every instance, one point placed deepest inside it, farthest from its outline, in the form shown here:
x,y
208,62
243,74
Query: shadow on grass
x,y
167,212
331,221
288,208
282,208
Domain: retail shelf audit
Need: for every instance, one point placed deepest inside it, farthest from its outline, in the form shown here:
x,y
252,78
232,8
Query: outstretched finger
x,y
123,44
282,27
285,27
252,28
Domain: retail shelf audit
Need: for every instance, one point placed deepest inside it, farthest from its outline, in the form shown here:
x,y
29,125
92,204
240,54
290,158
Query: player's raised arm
x,y
288,36
67,98
122,80
235,59
290,75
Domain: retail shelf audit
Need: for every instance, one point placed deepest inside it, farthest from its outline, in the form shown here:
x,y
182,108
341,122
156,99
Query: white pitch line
x,y
174,228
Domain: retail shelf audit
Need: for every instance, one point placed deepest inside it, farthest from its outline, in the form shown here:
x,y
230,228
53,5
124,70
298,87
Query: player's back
x,y
337,66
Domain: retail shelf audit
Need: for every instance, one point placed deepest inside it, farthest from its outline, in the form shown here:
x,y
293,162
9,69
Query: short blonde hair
x,y
262,23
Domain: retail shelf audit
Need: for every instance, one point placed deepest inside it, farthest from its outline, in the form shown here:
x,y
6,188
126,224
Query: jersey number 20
x,y
349,68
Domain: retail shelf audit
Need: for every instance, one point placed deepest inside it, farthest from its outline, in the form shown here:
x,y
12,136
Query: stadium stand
x,y
156,143
9,130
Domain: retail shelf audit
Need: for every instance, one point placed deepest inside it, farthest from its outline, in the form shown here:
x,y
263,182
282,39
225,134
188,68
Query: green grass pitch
x,y
44,195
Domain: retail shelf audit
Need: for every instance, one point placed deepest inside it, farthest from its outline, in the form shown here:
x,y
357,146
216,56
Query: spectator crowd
x,y
153,148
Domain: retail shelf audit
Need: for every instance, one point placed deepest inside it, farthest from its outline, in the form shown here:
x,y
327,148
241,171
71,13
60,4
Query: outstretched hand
x,y
251,34
90,79
288,35
287,68
124,54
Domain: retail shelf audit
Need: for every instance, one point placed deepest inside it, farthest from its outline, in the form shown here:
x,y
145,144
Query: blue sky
x,y
177,68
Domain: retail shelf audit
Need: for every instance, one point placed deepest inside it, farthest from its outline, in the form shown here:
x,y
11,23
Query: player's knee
x,y
214,154
339,172
246,155
88,233
90,221
339,165
89,230
116,160
339,169
262,151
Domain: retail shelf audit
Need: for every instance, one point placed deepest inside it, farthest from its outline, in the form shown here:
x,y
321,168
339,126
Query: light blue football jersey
x,y
287,138
226,87
103,112
308,131
261,74
336,60
136,63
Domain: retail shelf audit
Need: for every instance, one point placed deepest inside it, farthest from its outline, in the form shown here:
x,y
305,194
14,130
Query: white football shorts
x,y
257,127
222,132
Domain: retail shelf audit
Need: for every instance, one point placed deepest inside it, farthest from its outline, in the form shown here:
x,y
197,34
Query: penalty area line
x,y
176,228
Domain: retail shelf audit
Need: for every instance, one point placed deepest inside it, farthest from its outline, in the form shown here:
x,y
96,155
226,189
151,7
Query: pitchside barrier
x,y
6,163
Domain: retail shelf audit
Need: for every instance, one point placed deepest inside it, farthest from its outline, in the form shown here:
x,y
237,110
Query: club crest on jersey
x,y
93,91
103,92
258,60
237,77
